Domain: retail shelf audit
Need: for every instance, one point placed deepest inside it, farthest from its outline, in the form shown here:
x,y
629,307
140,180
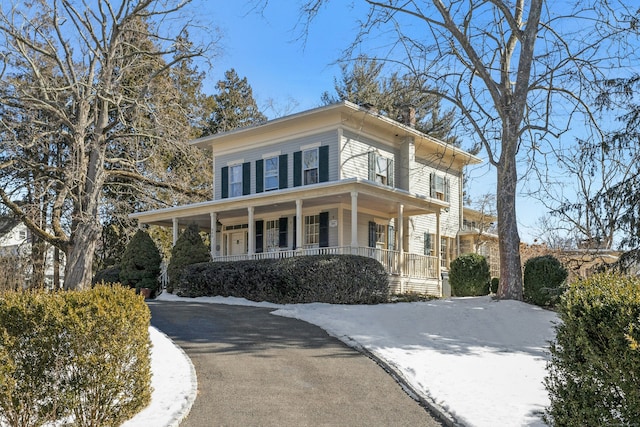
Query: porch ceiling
x,y
372,198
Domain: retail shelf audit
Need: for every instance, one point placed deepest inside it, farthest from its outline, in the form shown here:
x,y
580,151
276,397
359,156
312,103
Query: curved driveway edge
x,y
255,368
174,383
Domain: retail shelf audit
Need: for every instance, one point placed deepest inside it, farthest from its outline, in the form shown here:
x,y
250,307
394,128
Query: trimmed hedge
x,y
335,279
469,275
593,376
543,278
82,356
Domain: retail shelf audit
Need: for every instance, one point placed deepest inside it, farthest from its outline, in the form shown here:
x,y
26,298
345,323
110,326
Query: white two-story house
x,y
338,179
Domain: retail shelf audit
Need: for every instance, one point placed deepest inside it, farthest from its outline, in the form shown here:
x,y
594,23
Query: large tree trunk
x,y
509,240
78,270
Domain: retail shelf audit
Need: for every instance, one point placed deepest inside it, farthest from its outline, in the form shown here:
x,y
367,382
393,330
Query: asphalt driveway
x,y
257,369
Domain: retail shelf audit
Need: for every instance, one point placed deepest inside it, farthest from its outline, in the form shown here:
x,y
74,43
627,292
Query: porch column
x,y
213,237
354,220
438,254
175,230
252,232
299,222
400,237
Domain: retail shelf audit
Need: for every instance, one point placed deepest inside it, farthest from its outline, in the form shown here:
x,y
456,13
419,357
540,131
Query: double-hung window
x,y
235,180
310,166
380,169
273,235
312,231
439,187
271,179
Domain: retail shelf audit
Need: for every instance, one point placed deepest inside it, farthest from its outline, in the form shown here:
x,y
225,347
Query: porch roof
x,y
374,198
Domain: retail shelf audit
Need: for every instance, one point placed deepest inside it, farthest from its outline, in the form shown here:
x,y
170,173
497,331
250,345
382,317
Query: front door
x,y
238,243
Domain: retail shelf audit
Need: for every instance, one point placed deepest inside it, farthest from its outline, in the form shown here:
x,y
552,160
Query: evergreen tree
x,y
189,249
140,266
234,106
365,84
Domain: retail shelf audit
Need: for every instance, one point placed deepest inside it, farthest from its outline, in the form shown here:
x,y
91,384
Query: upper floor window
x,y
235,180
310,166
271,168
440,187
380,169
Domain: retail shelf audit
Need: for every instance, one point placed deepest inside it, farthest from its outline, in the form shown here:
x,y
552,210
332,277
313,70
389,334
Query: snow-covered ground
x,y
482,361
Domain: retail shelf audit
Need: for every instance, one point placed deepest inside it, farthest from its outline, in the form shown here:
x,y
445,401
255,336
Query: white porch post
x,y
354,220
341,227
299,221
438,254
400,237
213,237
252,232
175,230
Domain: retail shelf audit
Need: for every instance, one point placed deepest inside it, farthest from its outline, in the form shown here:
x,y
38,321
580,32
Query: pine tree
x,y
189,249
140,265
234,105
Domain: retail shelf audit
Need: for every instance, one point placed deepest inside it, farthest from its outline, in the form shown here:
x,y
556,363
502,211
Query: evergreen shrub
x,y
469,275
593,375
544,277
335,279
189,249
140,266
107,275
83,356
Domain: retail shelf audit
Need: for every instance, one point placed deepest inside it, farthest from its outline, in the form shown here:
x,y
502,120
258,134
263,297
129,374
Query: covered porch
x,y
343,217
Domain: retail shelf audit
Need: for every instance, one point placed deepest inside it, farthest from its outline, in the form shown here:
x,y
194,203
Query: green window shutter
x,y
259,176
432,183
391,174
246,178
295,231
391,238
372,166
323,163
225,182
282,232
324,230
427,244
447,190
259,236
297,169
282,172
372,234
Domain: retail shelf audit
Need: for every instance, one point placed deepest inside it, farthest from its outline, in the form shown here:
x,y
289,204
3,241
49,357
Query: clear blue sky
x,y
278,67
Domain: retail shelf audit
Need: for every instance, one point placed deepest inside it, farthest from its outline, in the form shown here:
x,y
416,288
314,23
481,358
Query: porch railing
x,y
409,265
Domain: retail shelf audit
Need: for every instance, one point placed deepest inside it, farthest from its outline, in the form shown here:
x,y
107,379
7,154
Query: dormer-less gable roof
x,y
344,115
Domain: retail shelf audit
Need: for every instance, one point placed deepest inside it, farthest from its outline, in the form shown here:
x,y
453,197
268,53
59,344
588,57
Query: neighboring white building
x,y
15,240
338,179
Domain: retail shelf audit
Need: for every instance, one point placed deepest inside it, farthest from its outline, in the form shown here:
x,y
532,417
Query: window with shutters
x,y
429,248
310,166
381,236
312,231
235,180
272,237
380,169
271,168
440,187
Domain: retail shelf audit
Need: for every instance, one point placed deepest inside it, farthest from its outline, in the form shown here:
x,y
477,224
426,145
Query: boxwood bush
x,y
543,278
469,275
336,279
80,356
593,375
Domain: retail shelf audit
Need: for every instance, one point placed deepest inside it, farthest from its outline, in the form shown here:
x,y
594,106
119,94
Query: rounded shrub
x,y
189,249
140,265
495,283
544,278
469,275
77,358
595,360
107,275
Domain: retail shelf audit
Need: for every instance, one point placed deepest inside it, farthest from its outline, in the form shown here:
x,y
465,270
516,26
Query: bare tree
x,y
516,71
86,87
